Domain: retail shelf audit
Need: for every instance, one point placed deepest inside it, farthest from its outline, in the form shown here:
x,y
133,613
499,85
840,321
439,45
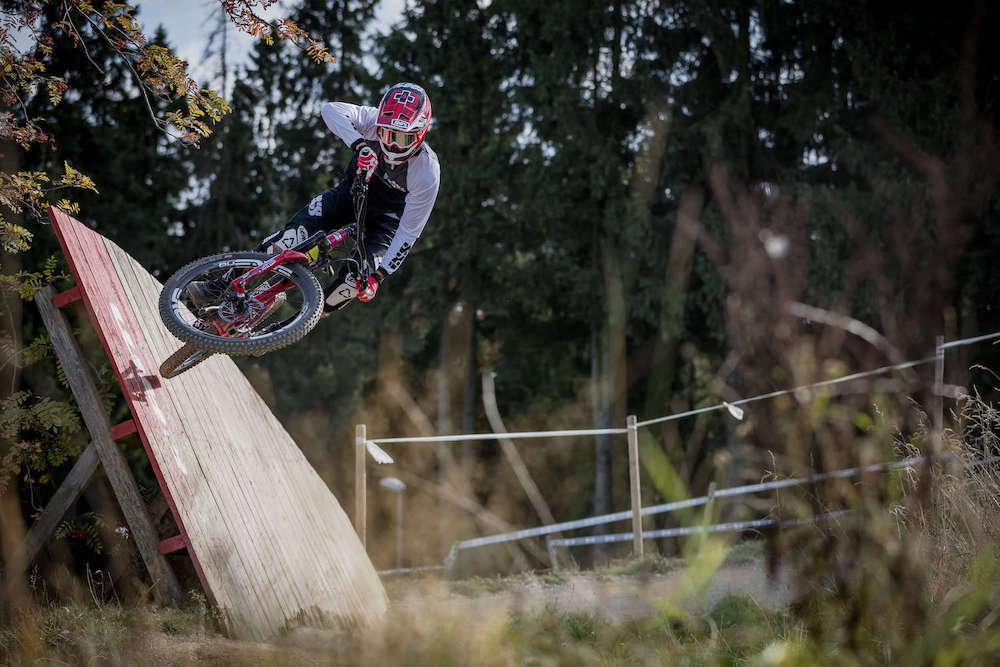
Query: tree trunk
x,y
471,400
11,520
611,392
659,400
10,264
443,426
602,443
597,409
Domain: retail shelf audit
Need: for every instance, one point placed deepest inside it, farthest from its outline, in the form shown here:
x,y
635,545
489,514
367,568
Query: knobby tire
x,y
302,323
184,359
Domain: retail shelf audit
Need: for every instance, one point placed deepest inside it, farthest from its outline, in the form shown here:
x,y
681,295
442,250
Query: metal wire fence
x,y
371,447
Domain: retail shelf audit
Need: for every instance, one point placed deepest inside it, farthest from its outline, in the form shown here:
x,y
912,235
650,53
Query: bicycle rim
x,y
281,306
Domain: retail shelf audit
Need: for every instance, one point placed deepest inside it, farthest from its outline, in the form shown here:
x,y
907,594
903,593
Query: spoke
x,y
267,297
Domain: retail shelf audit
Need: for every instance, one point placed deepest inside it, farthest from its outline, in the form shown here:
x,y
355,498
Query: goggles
x,y
395,138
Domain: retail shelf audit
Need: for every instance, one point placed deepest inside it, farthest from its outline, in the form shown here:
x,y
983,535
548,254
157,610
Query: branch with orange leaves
x,y
246,19
26,39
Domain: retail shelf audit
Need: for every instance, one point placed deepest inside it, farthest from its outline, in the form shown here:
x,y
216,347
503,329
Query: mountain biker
x,y
403,176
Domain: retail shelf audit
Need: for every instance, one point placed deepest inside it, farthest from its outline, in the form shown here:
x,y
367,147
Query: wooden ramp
x,y
270,542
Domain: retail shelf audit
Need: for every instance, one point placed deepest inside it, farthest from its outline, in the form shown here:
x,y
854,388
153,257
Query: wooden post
x,y
70,489
115,466
65,496
633,473
360,483
938,391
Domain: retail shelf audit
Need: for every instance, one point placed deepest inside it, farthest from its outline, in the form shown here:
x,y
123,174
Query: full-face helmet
x,y
404,114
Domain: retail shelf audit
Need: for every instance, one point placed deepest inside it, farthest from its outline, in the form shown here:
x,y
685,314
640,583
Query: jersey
x,y
404,192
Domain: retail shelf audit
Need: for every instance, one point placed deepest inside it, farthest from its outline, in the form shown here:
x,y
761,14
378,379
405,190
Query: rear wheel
x,y
280,306
184,359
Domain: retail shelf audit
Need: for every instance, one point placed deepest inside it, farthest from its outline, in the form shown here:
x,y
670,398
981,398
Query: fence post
x,y
633,473
360,484
708,519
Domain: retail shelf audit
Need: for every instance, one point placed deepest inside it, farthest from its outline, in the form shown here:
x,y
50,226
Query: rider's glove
x,y
367,289
367,162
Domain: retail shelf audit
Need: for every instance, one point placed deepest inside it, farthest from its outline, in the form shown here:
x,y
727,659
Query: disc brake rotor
x,y
236,314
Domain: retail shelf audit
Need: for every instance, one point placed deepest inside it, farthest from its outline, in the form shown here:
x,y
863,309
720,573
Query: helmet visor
x,y
396,139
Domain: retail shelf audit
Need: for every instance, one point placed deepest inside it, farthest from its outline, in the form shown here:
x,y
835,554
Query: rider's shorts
x,y
330,210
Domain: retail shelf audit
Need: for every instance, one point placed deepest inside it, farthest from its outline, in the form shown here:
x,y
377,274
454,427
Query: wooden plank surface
x,y
270,541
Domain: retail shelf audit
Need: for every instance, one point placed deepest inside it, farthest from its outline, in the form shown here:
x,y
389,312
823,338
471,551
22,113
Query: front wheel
x,y
280,306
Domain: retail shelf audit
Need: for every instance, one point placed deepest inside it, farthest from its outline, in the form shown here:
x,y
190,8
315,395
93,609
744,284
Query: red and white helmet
x,y
404,114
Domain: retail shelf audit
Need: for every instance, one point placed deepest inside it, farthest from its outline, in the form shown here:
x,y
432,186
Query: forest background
x,y
631,193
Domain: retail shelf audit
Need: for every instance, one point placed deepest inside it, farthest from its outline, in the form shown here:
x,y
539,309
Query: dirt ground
x,y
417,602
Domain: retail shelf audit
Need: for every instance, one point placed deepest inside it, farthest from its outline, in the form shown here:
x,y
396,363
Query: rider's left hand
x,y
367,289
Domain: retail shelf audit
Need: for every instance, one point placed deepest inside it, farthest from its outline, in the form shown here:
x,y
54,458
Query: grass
x,y
446,634
552,578
653,563
734,610
474,586
95,631
909,577
746,551
648,564
479,585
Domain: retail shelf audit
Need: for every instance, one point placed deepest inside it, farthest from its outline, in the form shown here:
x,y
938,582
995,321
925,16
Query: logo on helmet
x,y
404,97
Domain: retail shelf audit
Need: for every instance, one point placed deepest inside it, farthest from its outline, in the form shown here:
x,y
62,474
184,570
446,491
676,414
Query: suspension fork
x,y
359,191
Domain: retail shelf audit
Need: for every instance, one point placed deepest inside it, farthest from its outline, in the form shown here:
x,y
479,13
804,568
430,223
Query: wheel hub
x,y
239,313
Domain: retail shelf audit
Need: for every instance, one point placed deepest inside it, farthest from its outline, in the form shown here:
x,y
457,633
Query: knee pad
x,y
339,293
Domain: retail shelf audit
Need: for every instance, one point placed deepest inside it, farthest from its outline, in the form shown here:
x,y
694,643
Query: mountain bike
x,y
260,301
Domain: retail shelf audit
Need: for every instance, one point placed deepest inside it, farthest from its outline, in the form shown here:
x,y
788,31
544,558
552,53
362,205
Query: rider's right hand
x,y
366,290
367,162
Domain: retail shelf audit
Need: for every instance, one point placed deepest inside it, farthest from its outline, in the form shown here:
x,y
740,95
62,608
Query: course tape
x,y
680,415
501,436
968,341
783,392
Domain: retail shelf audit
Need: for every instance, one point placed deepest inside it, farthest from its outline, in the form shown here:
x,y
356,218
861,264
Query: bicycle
x,y
265,301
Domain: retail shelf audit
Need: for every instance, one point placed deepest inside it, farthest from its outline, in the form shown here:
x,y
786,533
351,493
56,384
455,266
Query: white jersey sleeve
x,y
423,179
350,122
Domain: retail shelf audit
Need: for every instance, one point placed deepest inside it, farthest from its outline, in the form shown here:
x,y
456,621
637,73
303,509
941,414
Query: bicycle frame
x,y
325,242
314,252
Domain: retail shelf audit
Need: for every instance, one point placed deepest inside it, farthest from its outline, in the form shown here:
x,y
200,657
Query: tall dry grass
x,y
909,576
961,520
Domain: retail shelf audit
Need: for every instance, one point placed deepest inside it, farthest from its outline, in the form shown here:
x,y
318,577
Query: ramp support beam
x,y
115,466
119,431
65,298
172,544
68,492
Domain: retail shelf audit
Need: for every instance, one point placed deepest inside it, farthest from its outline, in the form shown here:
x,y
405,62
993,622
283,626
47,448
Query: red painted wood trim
x,y
97,260
67,297
119,431
172,544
